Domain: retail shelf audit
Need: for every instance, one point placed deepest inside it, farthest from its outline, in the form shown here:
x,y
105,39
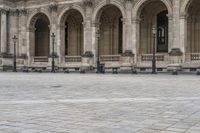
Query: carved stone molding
x,y
3,11
13,12
175,52
23,12
53,6
88,3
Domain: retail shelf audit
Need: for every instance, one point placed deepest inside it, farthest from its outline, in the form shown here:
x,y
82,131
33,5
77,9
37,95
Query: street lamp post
x,y
154,50
98,53
53,54
14,54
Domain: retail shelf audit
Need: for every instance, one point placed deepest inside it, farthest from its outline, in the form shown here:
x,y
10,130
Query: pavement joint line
x,y
98,100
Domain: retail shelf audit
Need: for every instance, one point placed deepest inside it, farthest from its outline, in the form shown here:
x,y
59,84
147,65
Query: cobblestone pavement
x,y
90,103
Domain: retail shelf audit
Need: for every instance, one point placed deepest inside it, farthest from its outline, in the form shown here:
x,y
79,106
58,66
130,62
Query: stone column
x,y
176,23
95,28
136,36
170,32
4,48
13,18
22,33
127,27
183,32
88,25
53,29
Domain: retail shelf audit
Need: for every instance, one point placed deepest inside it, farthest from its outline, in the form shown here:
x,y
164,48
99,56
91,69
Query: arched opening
x,y
42,36
111,31
153,13
193,27
73,33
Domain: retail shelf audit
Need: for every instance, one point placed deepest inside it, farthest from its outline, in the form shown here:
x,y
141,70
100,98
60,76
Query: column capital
x,y
3,11
23,11
13,12
95,24
53,6
136,20
170,16
184,16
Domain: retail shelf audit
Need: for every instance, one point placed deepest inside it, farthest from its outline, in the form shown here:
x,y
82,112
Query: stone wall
x,y
18,17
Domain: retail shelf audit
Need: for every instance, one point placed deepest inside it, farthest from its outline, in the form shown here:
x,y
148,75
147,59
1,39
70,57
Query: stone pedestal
x,y
127,61
175,60
7,61
87,61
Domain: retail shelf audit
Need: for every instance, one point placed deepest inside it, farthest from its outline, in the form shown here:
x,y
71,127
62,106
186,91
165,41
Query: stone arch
x,y
110,27
39,35
141,3
146,22
63,14
99,8
33,18
185,6
71,33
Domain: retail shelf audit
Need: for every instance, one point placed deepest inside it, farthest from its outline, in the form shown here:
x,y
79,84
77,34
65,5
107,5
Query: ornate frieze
x,y
53,6
88,3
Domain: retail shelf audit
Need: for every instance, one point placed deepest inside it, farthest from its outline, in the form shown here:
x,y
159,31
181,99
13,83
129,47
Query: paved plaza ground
x,y
90,103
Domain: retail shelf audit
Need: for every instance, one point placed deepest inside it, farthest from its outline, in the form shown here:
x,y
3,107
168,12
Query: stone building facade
x,y
119,31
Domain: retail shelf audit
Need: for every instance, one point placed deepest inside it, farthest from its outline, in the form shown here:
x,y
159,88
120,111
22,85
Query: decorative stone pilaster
x,y
127,23
53,7
176,23
183,32
88,4
23,48
14,29
4,47
170,31
136,36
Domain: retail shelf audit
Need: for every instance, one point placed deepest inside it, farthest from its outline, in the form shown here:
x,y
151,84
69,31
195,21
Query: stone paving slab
x,y
90,103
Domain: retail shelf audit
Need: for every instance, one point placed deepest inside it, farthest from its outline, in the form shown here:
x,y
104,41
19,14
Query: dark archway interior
x,y
153,13
42,36
73,33
111,31
193,27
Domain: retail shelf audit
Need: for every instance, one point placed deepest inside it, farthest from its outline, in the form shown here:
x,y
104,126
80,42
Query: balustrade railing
x,y
195,56
71,59
110,58
149,57
41,59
